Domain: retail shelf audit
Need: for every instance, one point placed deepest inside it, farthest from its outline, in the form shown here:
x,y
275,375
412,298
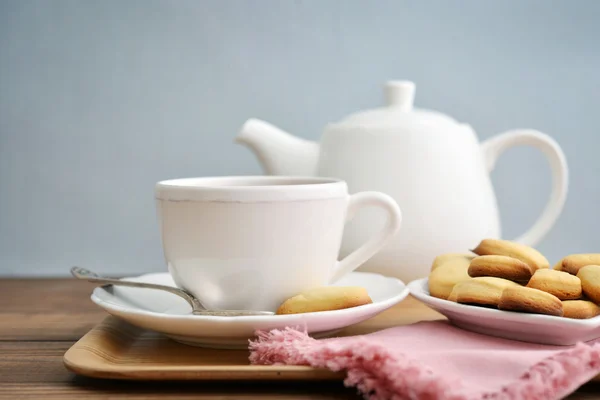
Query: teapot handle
x,y
495,146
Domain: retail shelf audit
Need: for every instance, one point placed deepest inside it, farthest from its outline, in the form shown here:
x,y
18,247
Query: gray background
x,y
101,99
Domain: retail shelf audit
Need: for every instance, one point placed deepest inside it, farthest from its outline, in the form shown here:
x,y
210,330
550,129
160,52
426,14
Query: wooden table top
x,y
40,319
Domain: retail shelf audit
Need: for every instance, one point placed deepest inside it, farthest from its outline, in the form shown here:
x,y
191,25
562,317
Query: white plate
x,y
169,314
535,328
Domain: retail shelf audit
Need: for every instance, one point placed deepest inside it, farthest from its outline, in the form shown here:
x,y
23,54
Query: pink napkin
x,y
435,360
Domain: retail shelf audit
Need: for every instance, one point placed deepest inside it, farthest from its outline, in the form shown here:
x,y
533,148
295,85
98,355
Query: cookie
x,y
574,262
590,281
530,300
527,254
453,296
443,278
325,298
561,284
580,309
442,259
500,267
558,266
483,291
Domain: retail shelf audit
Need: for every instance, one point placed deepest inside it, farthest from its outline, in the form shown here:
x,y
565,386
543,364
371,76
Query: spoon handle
x,y
197,307
85,274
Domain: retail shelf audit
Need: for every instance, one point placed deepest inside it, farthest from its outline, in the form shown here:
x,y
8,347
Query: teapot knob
x,y
400,95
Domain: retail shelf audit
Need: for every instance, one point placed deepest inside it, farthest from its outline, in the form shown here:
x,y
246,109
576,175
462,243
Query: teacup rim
x,y
250,188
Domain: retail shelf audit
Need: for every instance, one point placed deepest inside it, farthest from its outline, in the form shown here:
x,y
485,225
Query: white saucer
x,y
534,328
169,314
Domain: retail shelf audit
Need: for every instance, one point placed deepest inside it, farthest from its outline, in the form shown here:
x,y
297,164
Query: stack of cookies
x,y
514,277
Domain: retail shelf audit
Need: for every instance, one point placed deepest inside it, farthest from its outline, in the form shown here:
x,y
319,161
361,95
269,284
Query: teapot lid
x,y
399,110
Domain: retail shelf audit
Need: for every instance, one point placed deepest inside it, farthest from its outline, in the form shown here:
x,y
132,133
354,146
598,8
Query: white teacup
x,y
251,242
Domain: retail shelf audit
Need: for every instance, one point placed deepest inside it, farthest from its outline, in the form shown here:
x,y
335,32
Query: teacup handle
x,y
377,242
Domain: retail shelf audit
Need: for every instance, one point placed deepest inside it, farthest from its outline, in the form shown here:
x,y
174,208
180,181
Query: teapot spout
x,y
278,152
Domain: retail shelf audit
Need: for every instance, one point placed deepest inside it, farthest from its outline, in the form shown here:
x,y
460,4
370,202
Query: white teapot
x,y
433,166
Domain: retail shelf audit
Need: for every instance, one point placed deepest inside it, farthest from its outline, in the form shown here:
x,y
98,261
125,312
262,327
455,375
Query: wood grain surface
x,y
115,349
40,319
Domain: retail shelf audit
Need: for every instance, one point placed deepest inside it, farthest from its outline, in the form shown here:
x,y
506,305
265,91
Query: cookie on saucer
x,y
561,284
504,267
580,309
443,278
572,263
590,281
325,298
444,258
529,300
483,291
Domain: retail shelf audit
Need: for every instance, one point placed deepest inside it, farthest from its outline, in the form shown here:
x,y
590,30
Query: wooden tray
x,y
117,350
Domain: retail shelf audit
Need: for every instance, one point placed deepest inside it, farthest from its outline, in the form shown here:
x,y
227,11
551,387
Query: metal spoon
x,y
197,307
